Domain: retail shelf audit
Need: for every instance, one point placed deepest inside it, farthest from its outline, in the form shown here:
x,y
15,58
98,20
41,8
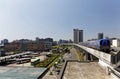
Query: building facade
x,y
4,41
116,42
100,35
78,35
28,45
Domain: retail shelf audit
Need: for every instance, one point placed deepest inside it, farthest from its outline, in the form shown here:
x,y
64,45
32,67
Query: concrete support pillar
x,y
91,58
85,56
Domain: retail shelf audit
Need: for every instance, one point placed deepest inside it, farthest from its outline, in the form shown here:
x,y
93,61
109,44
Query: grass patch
x,y
81,58
51,64
46,62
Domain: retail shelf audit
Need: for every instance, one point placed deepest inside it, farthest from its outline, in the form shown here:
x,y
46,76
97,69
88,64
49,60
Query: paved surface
x,y
92,70
9,57
20,72
71,56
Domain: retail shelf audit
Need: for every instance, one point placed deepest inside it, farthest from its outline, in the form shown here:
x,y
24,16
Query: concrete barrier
x,y
62,70
61,74
43,74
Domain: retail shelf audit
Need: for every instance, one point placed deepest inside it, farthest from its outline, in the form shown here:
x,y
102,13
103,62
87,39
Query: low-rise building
x,y
116,42
47,45
27,45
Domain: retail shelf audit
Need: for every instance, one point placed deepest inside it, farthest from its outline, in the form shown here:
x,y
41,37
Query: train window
x,y
104,43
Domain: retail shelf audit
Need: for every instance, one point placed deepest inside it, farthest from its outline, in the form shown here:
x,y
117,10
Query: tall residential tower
x,y
78,35
100,35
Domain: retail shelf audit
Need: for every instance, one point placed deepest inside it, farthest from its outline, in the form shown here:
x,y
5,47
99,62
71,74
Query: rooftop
x,y
92,70
20,72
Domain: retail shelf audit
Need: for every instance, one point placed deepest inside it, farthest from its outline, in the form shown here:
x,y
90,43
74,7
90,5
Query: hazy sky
x,y
57,18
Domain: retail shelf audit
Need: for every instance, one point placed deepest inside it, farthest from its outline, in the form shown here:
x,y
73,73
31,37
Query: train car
x,y
105,45
102,45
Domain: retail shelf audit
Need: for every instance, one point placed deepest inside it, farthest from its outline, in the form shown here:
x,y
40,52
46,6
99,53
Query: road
x,y
72,55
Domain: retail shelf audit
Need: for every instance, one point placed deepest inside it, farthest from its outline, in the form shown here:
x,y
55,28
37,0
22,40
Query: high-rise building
x,y
4,41
100,35
78,36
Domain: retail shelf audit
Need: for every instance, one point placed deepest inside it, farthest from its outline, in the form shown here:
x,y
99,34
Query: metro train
x,y
101,45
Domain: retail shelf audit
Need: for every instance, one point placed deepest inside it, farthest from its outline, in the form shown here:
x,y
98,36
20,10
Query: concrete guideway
x,y
107,58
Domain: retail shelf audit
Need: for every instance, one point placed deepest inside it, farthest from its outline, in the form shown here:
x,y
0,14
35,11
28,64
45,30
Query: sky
x,y
28,19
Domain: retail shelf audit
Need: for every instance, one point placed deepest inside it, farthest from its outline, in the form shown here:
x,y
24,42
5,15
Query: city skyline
x,y
56,19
